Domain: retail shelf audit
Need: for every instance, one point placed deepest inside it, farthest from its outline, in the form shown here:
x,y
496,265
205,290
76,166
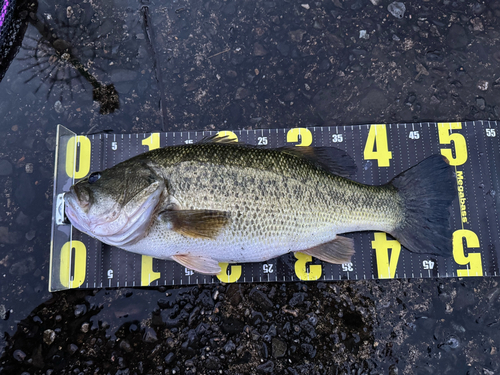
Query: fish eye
x,y
94,177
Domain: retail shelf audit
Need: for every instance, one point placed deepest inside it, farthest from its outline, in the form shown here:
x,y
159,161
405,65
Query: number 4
x,y
376,146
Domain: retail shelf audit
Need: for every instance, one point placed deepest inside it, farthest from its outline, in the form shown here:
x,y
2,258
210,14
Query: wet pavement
x,y
145,66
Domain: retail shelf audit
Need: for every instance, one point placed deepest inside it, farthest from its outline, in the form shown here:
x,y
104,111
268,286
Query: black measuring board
x,y
381,151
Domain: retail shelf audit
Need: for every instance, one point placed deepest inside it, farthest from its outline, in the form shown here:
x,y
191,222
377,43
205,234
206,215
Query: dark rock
x,y
308,350
150,335
4,314
173,322
19,355
9,237
266,367
80,310
278,347
397,9
257,318
261,299
283,48
259,50
229,347
297,299
478,8
296,35
205,298
312,318
193,317
37,357
169,358
324,65
165,303
241,93
50,142
72,348
212,363
451,343
30,235
5,168
124,345
22,219
232,326
234,294
23,267
457,37
481,103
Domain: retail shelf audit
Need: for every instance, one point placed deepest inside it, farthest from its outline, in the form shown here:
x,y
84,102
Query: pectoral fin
x,y
204,265
196,223
337,251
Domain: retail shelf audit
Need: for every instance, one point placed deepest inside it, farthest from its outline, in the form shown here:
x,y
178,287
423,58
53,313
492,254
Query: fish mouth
x,y
75,211
127,226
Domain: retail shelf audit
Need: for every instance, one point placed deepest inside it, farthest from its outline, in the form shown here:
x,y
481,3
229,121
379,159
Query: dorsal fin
x,y
216,138
332,159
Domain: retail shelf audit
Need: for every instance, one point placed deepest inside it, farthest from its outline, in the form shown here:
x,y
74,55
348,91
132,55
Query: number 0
x,y
78,148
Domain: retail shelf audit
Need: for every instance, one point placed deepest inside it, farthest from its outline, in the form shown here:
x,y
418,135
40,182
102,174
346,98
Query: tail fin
x,y
427,190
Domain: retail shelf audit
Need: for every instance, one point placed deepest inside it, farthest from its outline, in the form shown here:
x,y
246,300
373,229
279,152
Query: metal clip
x,y
61,218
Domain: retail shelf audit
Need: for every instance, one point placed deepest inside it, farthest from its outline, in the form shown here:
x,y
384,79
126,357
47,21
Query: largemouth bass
x,y
217,201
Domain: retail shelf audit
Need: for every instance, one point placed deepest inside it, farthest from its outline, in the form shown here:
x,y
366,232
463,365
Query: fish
x,y
221,201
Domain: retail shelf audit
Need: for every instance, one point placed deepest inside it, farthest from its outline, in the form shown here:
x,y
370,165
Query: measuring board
x,y
381,151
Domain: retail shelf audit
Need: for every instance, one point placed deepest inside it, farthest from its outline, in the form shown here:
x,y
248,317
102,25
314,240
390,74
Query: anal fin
x,y
338,251
204,265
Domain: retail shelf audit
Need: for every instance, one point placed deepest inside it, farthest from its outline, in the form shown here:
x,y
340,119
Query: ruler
x,y
381,151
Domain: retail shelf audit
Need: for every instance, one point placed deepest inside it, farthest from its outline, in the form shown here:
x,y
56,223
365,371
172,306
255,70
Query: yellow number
x,y
315,270
147,273
231,277
228,134
377,139
446,137
80,262
83,156
386,267
153,141
475,267
302,135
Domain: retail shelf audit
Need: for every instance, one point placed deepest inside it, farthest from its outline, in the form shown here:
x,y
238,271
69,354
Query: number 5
x,y
445,138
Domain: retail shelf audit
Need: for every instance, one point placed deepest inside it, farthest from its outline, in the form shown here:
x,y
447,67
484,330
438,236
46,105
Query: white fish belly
x,y
228,248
